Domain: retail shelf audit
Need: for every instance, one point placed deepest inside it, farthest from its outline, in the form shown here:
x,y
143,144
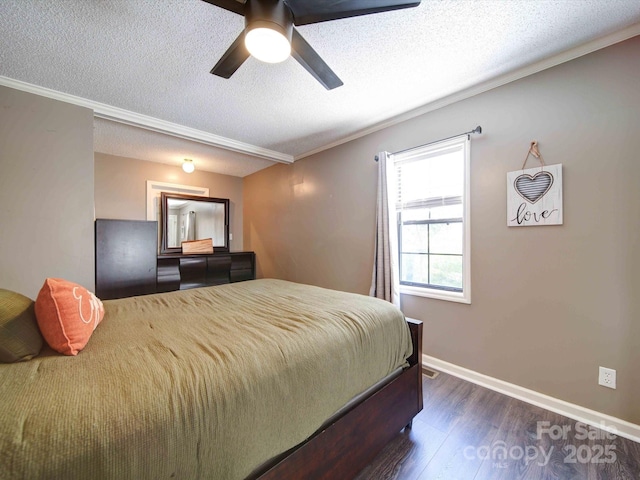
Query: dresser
x,y
127,263
179,272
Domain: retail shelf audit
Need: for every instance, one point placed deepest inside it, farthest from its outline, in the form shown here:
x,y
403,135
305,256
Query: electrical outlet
x,y
607,377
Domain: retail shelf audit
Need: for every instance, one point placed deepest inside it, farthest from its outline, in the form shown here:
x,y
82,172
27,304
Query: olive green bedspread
x,y
203,383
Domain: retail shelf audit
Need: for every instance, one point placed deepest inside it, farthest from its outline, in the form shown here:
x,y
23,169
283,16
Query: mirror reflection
x,y
187,218
191,220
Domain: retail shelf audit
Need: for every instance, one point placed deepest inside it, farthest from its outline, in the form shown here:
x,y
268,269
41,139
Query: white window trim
x,y
465,295
435,294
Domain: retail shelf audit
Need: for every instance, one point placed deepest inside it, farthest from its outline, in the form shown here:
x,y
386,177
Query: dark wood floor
x,y
467,432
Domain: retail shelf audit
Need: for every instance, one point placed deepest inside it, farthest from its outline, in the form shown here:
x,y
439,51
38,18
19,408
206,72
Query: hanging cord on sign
x,y
533,150
478,129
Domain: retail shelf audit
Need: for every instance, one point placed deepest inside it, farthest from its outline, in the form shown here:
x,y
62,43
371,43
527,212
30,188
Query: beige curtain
x,y
385,281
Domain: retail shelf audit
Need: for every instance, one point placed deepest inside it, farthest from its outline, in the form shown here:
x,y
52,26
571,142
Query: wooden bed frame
x,y
347,445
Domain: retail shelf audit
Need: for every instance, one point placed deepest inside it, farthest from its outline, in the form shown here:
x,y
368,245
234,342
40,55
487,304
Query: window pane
x,y
432,191
414,268
415,239
433,213
439,176
448,211
415,214
446,238
446,270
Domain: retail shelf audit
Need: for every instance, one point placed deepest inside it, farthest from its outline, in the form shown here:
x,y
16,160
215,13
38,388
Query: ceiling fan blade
x,y
311,61
230,5
313,11
235,56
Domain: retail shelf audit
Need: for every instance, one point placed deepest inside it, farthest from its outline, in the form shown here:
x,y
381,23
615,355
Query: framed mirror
x,y
191,217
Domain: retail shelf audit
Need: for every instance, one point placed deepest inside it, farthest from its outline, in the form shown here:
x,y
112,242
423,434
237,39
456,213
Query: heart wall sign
x,y
534,196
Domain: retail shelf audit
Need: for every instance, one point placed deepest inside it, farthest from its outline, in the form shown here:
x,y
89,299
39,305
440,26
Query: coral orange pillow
x,y
67,315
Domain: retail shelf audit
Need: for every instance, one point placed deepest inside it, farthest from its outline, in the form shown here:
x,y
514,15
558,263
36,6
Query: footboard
x,y
350,443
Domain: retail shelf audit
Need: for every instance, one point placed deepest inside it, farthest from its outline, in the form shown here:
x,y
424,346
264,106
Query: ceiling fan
x,y
269,34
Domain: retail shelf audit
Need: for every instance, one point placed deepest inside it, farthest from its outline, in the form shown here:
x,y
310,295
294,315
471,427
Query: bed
x,y
261,379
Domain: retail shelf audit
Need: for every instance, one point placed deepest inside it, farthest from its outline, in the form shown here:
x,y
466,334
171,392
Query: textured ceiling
x,y
153,57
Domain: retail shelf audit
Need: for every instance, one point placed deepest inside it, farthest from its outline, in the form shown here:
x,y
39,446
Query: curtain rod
x,y
478,129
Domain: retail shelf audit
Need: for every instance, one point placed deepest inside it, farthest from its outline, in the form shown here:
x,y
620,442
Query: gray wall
x,y
46,192
549,304
121,189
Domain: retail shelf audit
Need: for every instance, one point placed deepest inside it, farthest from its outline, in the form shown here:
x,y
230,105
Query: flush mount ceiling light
x,y
269,34
188,166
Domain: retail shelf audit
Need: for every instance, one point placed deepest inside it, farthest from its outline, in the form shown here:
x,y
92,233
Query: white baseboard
x,y
590,417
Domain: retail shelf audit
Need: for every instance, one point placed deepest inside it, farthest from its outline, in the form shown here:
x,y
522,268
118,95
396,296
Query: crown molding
x,y
523,72
127,117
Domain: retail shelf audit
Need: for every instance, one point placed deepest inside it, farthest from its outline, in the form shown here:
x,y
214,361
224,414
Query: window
x,y
432,210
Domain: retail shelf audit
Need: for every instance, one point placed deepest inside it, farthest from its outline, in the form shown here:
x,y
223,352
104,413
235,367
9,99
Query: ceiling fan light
x,y
188,166
267,45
